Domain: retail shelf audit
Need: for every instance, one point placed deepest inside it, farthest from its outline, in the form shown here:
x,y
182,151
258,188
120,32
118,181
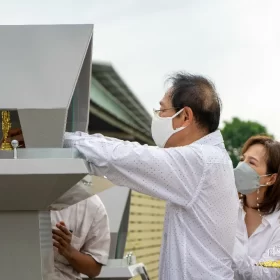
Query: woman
x,y
258,231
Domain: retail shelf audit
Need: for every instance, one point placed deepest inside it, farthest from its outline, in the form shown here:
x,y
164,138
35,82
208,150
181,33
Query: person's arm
x,y
80,262
169,174
245,267
84,264
97,242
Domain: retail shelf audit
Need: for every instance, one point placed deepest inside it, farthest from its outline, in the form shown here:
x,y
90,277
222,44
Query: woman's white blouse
x,y
262,245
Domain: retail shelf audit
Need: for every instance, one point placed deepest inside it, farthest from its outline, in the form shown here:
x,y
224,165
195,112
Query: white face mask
x,y
162,128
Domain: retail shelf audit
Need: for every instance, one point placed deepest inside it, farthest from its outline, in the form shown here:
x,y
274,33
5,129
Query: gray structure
x,y
118,213
114,109
45,77
43,70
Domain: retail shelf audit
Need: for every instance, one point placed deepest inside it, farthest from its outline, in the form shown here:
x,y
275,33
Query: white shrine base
x,y
26,250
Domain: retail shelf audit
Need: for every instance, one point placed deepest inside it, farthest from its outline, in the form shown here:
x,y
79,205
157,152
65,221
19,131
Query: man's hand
x,y
62,240
82,263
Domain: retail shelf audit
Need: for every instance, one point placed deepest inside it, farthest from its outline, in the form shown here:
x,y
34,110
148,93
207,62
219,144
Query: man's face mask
x,y
162,128
247,180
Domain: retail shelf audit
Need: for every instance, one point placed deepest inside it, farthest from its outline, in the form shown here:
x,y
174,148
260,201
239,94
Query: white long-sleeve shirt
x,y
197,182
262,245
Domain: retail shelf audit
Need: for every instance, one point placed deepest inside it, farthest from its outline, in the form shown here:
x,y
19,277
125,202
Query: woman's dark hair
x,y
271,200
199,94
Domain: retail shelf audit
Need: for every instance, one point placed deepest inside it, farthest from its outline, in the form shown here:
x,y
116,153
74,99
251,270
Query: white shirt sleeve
x,y
245,268
170,174
97,242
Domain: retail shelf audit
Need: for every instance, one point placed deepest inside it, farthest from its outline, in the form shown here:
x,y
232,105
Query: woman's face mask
x,y
247,180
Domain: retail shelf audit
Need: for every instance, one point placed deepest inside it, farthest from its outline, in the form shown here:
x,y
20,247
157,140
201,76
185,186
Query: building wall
x,y
145,231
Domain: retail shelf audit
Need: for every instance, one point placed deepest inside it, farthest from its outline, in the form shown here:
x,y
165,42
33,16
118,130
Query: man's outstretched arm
x,y
169,174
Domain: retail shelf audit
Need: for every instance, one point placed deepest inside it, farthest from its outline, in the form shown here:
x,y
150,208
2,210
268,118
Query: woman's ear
x,y
272,179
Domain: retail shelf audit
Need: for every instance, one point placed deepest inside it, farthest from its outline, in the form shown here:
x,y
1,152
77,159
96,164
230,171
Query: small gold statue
x,y
6,126
270,264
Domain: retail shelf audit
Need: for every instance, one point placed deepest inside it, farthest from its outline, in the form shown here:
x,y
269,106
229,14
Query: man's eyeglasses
x,y
163,110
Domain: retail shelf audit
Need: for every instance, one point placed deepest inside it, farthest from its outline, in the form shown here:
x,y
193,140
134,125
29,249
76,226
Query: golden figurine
x,y
270,264
6,126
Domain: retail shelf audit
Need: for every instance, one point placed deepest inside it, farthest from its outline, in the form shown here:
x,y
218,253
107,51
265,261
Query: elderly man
x,y
190,169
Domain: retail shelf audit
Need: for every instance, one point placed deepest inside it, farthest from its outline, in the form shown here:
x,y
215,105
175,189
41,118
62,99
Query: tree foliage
x,y
237,132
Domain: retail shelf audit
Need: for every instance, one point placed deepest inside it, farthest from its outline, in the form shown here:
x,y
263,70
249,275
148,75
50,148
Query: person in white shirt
x,y
258,232
190,169
81,237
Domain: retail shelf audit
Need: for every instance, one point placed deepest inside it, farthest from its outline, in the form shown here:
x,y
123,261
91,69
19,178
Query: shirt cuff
x,y
69,140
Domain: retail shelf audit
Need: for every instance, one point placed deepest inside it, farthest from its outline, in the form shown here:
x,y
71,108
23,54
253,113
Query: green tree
x,y
236,132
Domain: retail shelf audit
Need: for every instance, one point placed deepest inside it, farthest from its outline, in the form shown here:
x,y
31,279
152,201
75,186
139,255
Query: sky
x,y
236,43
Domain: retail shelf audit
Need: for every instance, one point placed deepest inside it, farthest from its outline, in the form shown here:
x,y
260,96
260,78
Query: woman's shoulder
x,y
273,219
